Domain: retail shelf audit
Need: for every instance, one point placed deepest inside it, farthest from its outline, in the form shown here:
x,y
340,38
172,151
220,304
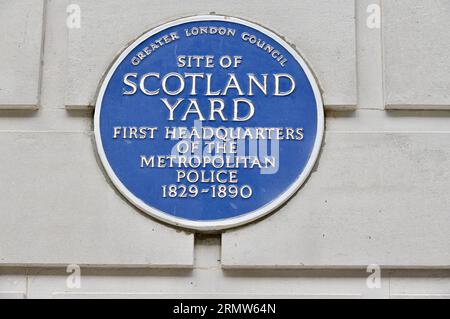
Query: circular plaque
x,y
208,122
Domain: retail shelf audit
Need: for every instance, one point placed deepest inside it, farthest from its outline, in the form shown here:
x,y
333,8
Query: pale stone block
x,y
416,44
374,198
201,296
12,285
21,34
323,32
12,295
421,296
206,283
435,285
57,208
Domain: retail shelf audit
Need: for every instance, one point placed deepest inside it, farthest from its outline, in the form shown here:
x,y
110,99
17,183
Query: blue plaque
x,y
209,122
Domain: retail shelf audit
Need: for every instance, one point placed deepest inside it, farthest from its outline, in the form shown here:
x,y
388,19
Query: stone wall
x,y
379,193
